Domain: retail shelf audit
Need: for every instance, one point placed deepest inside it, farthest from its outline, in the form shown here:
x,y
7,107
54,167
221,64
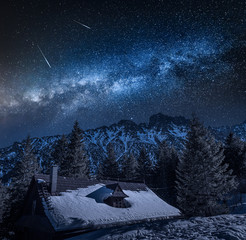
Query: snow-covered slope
x,y
226,227
125,135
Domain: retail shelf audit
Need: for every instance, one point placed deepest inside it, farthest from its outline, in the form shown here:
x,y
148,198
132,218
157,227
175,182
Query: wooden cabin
x,y
60,207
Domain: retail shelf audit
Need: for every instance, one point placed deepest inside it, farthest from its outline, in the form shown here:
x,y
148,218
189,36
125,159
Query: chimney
x,y
53,179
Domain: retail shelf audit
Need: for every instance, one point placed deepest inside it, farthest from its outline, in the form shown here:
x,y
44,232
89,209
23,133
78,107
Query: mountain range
x,y
126,136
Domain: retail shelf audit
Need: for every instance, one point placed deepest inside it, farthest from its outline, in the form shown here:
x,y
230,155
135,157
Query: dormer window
x,y
117,198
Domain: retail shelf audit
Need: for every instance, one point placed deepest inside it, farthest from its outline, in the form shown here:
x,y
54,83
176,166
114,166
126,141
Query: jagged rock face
x,y
161,122
126,136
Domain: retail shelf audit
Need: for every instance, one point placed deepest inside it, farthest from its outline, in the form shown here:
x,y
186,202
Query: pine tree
x,y
2,190
173,164
24,170
165,169
109,168
202,178
161,163
27,167
60,154
3,207
243,155
235,155
77,163
144,166
130,167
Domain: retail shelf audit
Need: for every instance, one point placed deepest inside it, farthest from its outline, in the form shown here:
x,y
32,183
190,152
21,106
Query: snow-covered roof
x,y
84,207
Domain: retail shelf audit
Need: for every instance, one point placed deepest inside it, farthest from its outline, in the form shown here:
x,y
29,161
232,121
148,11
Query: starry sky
x,y
103,61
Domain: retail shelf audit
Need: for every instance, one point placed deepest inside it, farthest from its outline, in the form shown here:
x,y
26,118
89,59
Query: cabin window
x,y
117,202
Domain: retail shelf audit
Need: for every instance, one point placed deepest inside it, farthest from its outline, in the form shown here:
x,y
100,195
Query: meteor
x,y
81,24
46,60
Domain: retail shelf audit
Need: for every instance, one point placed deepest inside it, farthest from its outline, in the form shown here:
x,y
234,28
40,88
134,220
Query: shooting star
x,y
81,24
46,60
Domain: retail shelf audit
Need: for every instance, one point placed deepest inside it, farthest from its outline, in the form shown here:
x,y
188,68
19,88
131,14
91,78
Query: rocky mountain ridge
x,y
126,135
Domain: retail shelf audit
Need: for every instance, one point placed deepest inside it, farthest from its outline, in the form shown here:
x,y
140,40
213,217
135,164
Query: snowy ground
x,y
227,227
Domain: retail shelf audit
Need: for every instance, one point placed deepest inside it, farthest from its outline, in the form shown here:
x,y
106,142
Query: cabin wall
x,y
33,224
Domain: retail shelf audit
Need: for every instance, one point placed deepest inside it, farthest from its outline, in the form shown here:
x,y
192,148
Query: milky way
x,y
125,60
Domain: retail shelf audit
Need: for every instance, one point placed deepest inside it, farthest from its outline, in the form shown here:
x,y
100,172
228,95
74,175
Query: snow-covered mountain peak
x,y
126,136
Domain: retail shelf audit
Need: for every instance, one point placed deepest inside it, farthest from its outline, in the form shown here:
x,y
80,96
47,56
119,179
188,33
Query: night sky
x,y
103,61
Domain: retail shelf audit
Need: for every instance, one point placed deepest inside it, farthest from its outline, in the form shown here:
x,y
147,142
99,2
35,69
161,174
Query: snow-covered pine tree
x,y
24,170
109,168
144,166
77,162
60,154
202,179
235,155
27,167
130,167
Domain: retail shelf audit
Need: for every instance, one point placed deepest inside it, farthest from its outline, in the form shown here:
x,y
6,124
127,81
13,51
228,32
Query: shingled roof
x,y
68,183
